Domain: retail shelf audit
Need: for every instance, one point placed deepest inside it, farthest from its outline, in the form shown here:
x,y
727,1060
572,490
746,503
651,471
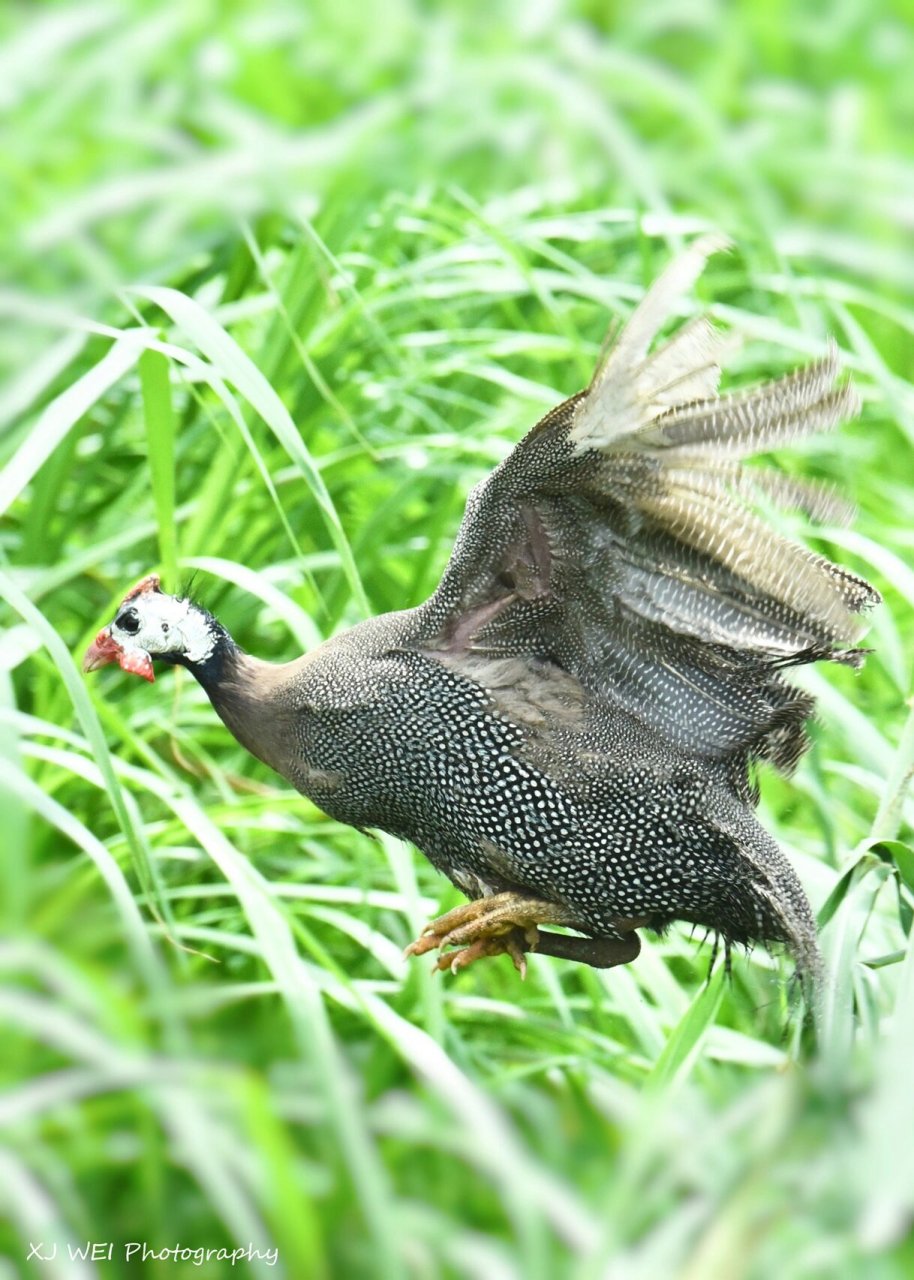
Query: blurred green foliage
x,y
283,281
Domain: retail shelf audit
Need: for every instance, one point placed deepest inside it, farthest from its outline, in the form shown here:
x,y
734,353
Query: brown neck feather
x,y
246,700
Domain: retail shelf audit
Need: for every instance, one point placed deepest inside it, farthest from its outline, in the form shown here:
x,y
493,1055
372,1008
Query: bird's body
x,y
570,721
511,776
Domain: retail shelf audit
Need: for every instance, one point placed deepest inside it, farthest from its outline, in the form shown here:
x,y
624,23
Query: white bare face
x,y
150,623
161,624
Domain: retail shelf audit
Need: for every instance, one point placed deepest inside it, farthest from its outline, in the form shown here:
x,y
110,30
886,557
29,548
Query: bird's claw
x,y
504,924
514,943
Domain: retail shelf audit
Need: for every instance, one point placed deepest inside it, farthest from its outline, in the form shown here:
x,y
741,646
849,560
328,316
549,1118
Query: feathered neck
x,y
239,686
211,655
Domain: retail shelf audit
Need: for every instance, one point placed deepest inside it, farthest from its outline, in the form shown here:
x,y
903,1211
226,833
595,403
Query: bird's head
x,y
150,624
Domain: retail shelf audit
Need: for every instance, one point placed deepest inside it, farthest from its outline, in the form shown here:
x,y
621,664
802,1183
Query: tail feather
x,y
729,534
685,368
724,429
819,502
764,417
655,308
627,387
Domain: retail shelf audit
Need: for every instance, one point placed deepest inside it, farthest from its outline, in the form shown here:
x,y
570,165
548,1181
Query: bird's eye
x,y
128,621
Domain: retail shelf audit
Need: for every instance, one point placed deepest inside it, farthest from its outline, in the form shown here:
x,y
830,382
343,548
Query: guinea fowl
x,y
568,727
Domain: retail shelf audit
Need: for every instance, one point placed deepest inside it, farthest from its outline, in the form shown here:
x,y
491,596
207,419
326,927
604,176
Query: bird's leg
x,y
599,953
507,923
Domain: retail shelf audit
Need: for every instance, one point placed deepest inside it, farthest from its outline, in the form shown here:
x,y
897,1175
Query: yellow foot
x,y
505,923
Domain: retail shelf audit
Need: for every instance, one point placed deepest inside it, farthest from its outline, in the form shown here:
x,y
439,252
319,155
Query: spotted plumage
x,y
567,728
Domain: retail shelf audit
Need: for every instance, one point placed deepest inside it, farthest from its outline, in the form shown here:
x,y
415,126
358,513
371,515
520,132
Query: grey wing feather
x,y
616,541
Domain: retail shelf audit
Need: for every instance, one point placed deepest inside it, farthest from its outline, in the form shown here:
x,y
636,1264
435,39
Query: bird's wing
x,y
617,541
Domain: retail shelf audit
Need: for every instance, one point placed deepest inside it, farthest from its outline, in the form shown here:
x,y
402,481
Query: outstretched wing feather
x,y
617,541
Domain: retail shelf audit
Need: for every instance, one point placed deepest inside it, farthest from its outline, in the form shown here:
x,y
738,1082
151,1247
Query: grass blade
x,y
155,385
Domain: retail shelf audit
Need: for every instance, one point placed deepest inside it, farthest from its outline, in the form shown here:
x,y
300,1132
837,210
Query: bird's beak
x,y
104,649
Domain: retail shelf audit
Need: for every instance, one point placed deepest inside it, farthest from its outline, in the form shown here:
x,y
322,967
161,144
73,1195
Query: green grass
x,y
287,282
